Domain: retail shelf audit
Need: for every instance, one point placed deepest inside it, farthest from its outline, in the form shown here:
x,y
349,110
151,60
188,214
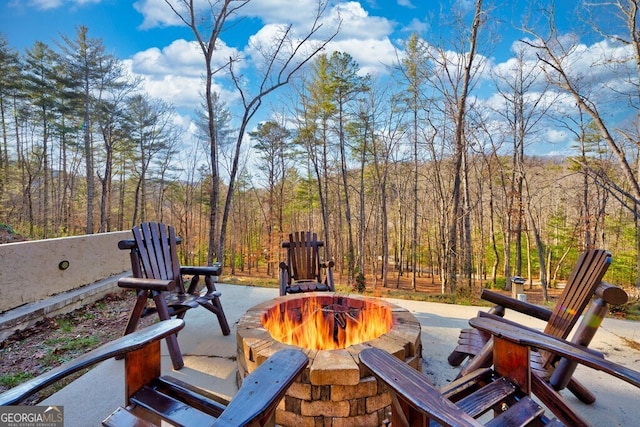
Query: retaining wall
x,y
34,270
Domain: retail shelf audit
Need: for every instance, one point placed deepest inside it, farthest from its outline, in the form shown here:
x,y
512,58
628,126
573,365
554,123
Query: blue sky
x,y
115,21
146,35
129,27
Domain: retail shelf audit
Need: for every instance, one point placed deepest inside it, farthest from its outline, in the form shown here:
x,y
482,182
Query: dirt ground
x,y
53,341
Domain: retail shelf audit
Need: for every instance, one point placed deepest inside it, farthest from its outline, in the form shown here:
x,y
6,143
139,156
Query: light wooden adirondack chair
x,y
303,271
157,275
154,399
502,393
583,284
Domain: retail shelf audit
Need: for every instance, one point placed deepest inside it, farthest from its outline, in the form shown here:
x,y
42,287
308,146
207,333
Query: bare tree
x,y
413,71
526,102
390,122
272,140
284,57
560,53
454,80
313,118
152,133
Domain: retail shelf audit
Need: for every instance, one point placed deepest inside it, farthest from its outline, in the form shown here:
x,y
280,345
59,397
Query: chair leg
x,y
483,359
222,318
563,374
135,314
581,392
215,306
136,311
284,279
456,358
172,340
555,403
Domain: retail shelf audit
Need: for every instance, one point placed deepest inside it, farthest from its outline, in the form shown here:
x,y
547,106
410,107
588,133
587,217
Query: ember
x,y
317,327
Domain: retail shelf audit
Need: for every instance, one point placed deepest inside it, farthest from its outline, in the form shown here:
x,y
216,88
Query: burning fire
x,y
325,327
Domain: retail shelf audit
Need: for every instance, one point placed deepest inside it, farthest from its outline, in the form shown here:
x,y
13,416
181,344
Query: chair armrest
x,y
148,284
284,269
327,264
413,387
119,347
612,294
525,336
516,305
205,270
263,389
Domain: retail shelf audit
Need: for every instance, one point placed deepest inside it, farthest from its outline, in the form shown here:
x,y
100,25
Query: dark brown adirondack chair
x,y
157,275
152,399
584,283
303,270
503,391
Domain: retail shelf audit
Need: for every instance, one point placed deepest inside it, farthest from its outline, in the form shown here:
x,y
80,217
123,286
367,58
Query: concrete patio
x,y
210,360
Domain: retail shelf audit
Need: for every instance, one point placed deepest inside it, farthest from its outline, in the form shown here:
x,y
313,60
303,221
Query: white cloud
x,y
464,5
555,136
358,24
417,26
50,4
175,73
281,11
156,13
45,4
364,37
601,71
372,55
406,3
180,57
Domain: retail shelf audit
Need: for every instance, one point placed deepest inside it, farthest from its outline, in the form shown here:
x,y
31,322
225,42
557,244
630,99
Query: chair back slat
x,y
172,247
143,253
161,248
581,285
161,243
153,250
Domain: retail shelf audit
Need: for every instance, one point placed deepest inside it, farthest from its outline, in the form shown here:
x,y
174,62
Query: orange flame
x,y
314,326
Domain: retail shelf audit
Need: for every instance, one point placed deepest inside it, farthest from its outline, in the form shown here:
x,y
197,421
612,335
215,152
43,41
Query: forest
x,y
417,173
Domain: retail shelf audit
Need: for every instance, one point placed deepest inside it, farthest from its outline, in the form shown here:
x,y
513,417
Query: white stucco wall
x,y
30,272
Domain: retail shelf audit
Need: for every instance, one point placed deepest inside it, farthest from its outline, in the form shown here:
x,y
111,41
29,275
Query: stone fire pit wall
x,y
335,389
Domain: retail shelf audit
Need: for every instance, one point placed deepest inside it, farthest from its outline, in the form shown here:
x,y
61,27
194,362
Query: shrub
x,y
360,284
500,283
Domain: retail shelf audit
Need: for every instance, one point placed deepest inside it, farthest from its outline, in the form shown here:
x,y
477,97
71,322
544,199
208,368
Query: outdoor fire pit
x,y
335,389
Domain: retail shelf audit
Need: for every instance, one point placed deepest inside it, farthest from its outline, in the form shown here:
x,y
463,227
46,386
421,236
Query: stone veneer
x,y
335,389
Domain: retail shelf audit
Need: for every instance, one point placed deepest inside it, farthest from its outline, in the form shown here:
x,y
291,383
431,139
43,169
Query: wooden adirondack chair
x,y
503,392
157,275
303,270
152,399
584,283
416,403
